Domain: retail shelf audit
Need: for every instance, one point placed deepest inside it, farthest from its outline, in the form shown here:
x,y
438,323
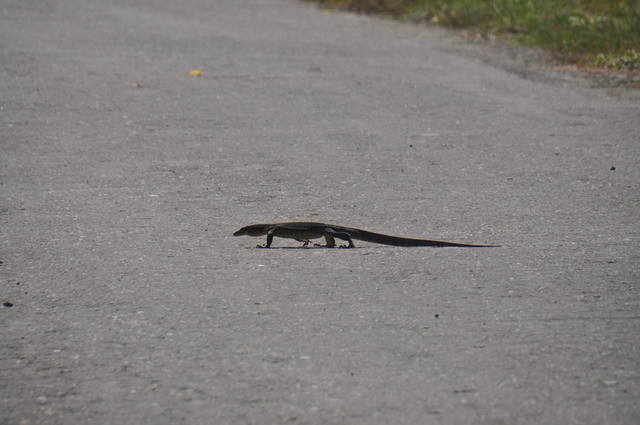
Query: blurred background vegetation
x,y
592,33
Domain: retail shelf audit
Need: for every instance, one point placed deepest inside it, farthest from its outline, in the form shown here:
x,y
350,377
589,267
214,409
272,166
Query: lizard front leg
x,y
269,240
305,242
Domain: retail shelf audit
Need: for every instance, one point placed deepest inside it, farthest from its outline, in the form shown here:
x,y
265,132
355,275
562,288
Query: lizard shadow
x,y
305,247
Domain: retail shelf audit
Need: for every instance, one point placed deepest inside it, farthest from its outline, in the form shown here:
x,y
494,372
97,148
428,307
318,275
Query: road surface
x,y
128,301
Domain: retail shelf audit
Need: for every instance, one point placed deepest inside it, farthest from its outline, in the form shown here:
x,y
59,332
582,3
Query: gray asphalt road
x,y
122,179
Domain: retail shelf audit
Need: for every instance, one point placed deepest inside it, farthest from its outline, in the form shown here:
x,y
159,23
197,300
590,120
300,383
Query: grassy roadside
x,y
593,34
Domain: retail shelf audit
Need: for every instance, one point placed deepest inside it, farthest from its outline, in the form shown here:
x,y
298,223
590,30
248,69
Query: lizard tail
x,y
366,236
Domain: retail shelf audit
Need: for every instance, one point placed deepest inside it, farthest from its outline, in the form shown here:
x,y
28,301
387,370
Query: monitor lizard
x,y
305,231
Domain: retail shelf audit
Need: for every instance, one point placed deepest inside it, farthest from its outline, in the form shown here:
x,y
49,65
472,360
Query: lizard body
x,y
305,231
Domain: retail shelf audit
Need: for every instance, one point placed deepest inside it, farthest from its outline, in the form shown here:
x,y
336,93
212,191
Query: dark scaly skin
x,y
305,231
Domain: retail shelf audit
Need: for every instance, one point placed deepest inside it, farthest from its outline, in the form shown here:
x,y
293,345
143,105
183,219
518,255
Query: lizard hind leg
x,y
331,242
340,235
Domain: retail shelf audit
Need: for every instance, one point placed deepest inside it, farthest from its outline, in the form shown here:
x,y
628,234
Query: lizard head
x,y
253,230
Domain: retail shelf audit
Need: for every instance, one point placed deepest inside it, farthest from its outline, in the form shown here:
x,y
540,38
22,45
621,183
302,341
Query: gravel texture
x,y
127,301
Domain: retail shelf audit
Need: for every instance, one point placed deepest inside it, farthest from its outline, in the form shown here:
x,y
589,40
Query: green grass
x,y
594,33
